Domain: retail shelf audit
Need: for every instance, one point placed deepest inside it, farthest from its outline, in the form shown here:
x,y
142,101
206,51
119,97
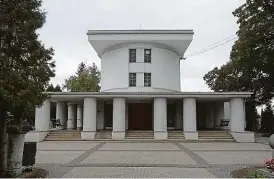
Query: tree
x,y
87,78
267,120
252,57
26,65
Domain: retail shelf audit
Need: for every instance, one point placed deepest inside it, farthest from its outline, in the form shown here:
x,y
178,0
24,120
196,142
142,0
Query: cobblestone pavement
x,y
147,159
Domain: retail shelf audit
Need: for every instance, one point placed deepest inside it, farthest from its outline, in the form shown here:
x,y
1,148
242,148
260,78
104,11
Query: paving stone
x,y
139,146
226,146
65,145
56,157
140,157
55,170
239,157
137,172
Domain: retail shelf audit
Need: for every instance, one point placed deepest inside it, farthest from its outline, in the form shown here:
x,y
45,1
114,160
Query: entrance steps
x,y
103,134
139,135
215,135
63,135
176,135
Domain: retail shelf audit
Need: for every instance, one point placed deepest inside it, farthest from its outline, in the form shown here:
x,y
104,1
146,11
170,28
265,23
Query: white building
x,y
140,90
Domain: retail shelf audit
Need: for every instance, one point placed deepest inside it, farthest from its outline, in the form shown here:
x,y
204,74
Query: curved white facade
x,y
164,69
160,74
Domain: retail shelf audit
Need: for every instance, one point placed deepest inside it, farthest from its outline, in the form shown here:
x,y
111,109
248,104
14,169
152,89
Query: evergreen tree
x,y
26,65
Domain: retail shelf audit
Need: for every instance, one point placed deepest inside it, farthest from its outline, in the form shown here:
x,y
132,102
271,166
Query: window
x,y
132,55
132,79
147,55
147,79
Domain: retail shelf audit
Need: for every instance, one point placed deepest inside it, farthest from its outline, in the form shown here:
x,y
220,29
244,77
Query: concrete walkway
x,y
147,159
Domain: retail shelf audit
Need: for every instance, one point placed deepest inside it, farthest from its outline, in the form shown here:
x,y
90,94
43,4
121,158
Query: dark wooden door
x,y
140,116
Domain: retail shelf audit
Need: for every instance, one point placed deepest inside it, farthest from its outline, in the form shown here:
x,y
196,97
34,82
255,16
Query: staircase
x,y
63,135
104,134
139,135
176,135
215,136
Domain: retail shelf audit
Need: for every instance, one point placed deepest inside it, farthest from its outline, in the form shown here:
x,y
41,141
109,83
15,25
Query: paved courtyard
x,y
147,159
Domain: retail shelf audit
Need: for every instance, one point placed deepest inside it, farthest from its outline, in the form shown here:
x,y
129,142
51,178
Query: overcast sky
x,y
69,20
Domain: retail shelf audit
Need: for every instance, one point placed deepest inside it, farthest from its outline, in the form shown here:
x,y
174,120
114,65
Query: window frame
x,y
147,57
147,80
132,82
132,60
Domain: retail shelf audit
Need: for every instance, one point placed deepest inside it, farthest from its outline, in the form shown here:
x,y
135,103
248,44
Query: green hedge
x,y
29,153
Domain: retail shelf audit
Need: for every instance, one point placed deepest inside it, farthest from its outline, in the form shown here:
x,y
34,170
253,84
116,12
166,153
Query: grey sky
x,y
68,22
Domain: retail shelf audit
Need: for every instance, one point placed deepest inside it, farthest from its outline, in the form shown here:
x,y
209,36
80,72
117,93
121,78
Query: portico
x,y
85,112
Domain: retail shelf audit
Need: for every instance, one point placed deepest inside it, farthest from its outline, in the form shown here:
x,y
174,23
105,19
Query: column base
x,y
118,135
243,136
88,135
36,136
160,135
191,135
79,128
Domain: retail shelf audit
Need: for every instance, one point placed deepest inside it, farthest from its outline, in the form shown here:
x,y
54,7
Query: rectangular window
x,y
147,79
132,79
147,55
132,55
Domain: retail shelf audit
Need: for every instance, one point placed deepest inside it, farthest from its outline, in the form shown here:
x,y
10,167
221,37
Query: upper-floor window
x,y
132,55
147,55
132,79
147,79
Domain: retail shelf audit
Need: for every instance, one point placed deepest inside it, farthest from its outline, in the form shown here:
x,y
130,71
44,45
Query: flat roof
x,y
142,31
175,40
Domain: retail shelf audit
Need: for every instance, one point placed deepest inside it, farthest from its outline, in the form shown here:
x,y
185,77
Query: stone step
x,y
76,132
54,134
103,135
176,137
214,135
61,139
139,137
66,137
217,140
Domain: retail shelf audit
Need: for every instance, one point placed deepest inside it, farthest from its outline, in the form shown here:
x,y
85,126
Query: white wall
x,y
209,116
227,110
100,115
164,69
219,113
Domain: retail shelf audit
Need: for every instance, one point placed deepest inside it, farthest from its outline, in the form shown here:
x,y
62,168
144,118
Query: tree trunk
x,y
3,140
15,154
16,140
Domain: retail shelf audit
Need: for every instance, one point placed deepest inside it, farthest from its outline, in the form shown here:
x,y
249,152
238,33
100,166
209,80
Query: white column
x,y
42,120
160,118
61,113
190,123
42,116
79,117
72,116
89,121
237,115
119,118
